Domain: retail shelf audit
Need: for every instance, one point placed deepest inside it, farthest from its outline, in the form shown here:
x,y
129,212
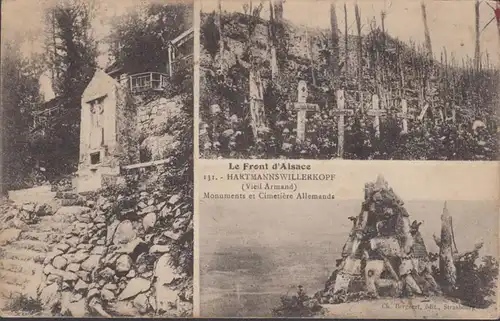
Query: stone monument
x,y
108,137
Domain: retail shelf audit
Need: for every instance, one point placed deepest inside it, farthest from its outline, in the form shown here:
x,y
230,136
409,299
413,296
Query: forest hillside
x,y
457,92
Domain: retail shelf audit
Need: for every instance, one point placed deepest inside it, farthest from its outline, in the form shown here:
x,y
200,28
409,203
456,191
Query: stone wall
x,y
154,119
127,133
121,256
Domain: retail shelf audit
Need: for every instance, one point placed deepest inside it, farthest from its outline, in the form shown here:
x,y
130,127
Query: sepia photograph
x,y
96,209
371,79
250,158
397,241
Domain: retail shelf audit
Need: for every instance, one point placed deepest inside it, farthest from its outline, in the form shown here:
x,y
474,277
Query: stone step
x,y
66,215
46,235
21,254
18,279
20,267
72,202
42,236
40,194
67,195
34,245
55,220
9,290
53,227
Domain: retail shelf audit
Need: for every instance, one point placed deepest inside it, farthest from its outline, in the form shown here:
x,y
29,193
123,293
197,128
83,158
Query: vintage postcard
x,y
96,217
385,103
368,79
348,239
250,158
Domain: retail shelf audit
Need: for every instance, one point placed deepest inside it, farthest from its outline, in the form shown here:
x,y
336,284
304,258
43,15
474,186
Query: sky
x,y
30,36
451,22
16,14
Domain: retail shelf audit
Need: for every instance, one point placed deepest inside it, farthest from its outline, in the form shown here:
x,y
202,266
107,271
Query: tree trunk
x,y
446,265
360,52
428,44
278,10
272,40
334,63
401,72
346,51
55,73
221,38
477,50
310,56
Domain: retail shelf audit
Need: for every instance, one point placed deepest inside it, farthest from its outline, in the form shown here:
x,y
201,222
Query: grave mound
x,y
385,255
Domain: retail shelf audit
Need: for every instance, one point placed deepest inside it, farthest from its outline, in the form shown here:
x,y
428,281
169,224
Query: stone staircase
x,y
40,194
23,249
20,268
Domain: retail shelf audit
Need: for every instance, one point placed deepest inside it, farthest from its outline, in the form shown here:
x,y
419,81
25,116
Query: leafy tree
x,y
139,40
73,58
210,36
19,95
75,50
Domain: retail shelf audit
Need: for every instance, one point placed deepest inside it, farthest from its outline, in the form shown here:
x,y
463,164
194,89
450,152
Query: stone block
x,y
9,235
124,233
134,287
91,263
59,262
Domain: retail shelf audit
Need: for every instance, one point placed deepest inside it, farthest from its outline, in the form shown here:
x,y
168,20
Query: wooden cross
x,y
302,107
340,111
404,116
422,114
441,115
256,102
453,116
376,113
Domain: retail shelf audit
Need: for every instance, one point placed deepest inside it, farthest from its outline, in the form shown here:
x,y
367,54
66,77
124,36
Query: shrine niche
x,y
107,131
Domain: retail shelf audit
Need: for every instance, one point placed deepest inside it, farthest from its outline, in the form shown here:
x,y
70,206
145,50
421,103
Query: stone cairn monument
x,y
385,255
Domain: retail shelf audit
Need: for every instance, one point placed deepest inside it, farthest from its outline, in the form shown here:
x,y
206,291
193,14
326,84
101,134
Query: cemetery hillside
x,y
275,89
96,216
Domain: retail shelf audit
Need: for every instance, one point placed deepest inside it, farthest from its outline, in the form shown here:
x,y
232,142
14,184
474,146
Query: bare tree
x,y
359,51
334,63
477,49
272,40
221,36
428,43
346,50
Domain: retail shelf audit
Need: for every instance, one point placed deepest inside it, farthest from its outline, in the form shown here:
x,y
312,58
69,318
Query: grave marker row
x,y
257,110
303,108
341,112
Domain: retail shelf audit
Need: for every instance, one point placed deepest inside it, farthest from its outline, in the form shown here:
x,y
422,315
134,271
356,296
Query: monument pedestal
x,y
94,178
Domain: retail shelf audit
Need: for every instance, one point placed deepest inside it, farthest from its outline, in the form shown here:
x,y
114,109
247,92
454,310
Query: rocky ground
x,y
97,256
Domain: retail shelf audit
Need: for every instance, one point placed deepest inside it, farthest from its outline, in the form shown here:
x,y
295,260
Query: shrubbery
x,y
24,305
299,305
231,137
477,282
